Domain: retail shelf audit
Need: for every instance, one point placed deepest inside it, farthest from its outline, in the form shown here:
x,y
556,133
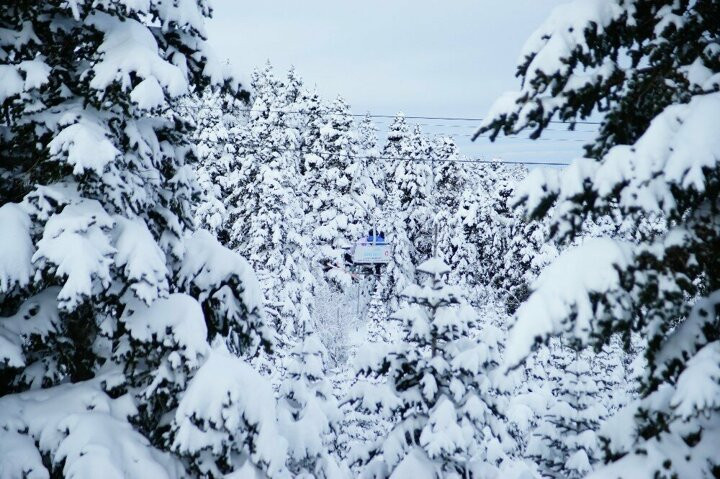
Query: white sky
x,y
422,57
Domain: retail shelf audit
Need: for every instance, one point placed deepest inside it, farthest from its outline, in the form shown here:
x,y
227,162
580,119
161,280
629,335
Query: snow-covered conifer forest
x,y
180,295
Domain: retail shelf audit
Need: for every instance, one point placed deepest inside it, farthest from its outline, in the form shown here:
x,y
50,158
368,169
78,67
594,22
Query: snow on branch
x,y
140,259
16,268
65,423
76,248
226,419
563,301
175,322
677,151
225,284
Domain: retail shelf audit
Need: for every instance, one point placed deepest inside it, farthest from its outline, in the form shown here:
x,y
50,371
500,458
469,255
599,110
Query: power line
x,y
401,158
517,138
476,161
390,158
474,127
372,115
472,135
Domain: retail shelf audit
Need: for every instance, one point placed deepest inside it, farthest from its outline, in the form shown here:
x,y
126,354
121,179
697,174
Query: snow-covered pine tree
x,y
526,252
565,443
400,271
453,245
485,221
500,249
226,422
456,238
332,173
308,413
611,369
333,315
508,226
266,213
252,140
311,111
652,68
360,427
377,326
532,396
108,300
451,174
398,137
445,421
216,114
291,94
500,215
412,178
372,193
452,183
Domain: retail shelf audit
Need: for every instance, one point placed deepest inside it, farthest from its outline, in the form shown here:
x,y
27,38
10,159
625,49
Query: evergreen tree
x,y
332,172
335,316
398,141
614,376
267,217
372,191
486,221
452,189
532,397
412,178
453,245
250,142
490,242
525,254
457,237
108,299
224,423
450,173
399,272
565,444
360,427
655,78
444,418
216,115
308,412
378,327
311,111
291,95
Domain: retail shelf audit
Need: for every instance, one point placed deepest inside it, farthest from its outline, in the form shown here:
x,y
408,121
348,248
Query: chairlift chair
x,y
372,252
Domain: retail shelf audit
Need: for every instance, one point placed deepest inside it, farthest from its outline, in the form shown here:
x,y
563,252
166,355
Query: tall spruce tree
x,y
494,246
654,76
308,413
217,115
451,183
108,299
332,172
451,174
444,418
267,215
565,443
398,137
413,179
400,271
311,109
372,188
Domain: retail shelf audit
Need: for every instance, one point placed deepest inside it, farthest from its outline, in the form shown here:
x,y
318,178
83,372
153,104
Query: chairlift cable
x,y
474,161
400,158
376,115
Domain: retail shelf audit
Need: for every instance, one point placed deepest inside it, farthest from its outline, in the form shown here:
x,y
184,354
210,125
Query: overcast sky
x,y
422,57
